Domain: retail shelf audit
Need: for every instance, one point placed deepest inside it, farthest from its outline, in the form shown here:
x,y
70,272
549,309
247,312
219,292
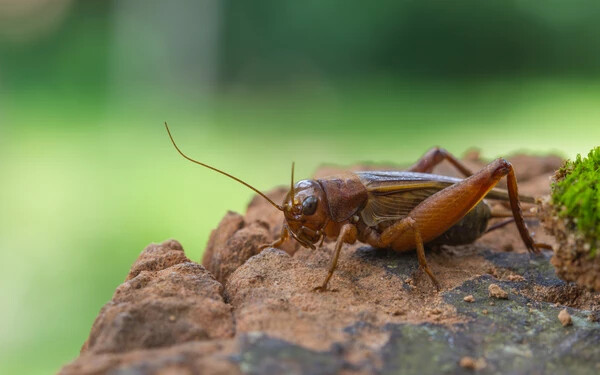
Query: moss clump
x,y
576,192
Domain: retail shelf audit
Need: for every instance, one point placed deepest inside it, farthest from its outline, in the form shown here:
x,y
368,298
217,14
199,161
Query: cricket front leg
x,y
434,157
282,237
347,234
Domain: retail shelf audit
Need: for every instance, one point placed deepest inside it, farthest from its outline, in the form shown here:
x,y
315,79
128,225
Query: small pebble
x,y
467,362
497,292
492,303
484,311
436,311
508,247
492,271
471,363
172,318
515,278
469,298
565,317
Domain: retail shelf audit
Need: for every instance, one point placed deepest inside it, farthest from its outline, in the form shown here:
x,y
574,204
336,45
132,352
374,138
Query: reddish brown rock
x,y
230,223
195,357
274,293
171,316
225,256
238,238
166,299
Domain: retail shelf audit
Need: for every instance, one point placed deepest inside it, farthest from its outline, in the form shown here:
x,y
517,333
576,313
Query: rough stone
x,y
194,357
497,292
565,317
259,313
166,299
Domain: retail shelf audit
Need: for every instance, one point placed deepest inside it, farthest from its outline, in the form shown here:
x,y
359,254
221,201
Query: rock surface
x,y
248,312
166,299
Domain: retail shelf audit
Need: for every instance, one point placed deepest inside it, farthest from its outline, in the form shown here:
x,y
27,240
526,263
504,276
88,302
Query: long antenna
x,y
220,171
292,184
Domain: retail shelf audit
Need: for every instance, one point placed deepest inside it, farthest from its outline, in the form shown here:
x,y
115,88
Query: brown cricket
x,y
399,210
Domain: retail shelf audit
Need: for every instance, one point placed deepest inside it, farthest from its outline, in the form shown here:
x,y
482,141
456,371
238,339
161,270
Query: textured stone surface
x,y
194,357
166,299
259,313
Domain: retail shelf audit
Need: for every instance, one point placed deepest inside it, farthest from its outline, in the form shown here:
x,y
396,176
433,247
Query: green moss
x,y
576,193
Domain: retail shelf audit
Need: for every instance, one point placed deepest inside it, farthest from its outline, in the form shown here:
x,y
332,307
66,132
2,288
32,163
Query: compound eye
x,y
309,205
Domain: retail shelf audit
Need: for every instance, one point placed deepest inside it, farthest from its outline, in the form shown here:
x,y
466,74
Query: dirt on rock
x,y
246,311
565,318
497,292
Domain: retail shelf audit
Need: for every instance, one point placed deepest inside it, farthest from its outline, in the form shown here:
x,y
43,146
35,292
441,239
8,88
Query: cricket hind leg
x,y
436,214
513,195
442,210
434,157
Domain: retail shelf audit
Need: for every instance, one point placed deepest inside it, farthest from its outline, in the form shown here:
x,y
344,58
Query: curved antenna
x,y
292,184
220,171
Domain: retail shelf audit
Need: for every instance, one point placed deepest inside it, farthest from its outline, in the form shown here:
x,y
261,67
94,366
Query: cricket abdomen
x,y
472,226
468,229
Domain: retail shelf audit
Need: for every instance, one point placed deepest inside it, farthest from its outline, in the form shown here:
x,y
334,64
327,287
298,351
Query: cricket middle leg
x,y
407,226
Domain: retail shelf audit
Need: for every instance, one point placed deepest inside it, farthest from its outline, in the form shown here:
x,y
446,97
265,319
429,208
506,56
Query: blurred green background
x,y
89,178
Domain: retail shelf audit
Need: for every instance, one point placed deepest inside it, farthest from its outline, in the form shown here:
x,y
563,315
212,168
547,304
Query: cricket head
x,y
306,212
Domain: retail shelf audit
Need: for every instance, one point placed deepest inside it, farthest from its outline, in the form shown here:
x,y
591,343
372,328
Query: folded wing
x,y
392,195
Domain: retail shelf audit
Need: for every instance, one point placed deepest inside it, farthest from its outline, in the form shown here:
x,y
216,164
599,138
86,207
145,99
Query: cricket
x,y
398,210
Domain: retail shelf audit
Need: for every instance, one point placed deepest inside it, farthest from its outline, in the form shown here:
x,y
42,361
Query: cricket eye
x,y
309,205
